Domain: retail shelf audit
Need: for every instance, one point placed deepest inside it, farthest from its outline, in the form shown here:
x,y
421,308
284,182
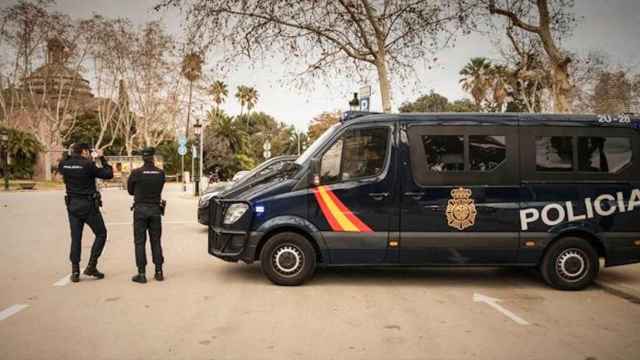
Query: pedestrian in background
x,y
83,202
146,184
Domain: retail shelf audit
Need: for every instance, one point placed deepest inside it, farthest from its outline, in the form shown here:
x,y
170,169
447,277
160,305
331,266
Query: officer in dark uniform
x,y
145,184
83,205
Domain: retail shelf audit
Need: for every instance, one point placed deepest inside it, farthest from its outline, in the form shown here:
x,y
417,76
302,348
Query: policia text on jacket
x,y
556,192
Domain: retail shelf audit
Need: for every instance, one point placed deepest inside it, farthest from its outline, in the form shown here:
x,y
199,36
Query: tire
x,y
570,263
288,259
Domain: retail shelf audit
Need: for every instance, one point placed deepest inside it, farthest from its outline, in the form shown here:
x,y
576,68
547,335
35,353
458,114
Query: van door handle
x,y
415,195
379,196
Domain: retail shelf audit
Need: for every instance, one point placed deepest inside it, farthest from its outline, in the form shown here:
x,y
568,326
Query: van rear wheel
x,y
570,263
288,259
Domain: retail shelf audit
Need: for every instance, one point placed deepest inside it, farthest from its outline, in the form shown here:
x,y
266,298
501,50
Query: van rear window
x,y
604,154
554,153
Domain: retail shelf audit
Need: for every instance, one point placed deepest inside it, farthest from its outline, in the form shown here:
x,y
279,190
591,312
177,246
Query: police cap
x,y
148,152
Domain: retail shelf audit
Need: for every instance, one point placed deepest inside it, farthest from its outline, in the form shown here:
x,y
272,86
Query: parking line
x,y
12,310
64,281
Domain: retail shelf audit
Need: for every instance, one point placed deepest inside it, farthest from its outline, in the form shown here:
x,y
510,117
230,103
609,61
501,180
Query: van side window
x,y
444,152
358,153
603,154
486,152
554,153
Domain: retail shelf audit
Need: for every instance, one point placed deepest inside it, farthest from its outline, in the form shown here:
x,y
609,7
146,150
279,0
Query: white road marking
x,y
493,302
164,222
64,281
11,310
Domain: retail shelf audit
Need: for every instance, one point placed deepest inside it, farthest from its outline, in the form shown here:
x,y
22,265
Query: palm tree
x,y
224,127
476,79
252,98
242,94
191,70
219,91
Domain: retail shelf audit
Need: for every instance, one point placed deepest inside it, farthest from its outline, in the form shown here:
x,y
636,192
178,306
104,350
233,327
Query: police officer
x,y
145,184
83,205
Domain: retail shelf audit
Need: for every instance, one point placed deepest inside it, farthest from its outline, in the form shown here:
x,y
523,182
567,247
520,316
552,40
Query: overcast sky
x,y
609,26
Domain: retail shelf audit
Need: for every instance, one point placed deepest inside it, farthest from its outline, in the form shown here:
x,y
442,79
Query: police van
x,y
555,192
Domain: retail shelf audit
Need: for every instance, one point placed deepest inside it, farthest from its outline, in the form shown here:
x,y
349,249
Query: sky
x,y
611,27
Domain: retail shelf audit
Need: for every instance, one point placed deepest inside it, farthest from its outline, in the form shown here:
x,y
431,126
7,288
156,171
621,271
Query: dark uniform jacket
x,y
145,184
80,174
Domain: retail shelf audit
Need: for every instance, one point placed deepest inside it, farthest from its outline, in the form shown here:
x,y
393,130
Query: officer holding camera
x,y
83,204
145,184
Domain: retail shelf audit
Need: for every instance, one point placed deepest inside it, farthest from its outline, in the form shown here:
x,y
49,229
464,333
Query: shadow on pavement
x,y
429,277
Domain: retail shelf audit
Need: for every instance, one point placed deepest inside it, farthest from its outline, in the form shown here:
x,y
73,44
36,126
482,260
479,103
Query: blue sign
x,y
182,141
182,150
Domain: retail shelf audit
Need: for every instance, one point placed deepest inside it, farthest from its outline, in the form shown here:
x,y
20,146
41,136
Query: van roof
x,y
523,119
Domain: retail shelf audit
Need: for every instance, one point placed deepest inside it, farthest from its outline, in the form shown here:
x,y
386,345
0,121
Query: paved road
x,y
208,309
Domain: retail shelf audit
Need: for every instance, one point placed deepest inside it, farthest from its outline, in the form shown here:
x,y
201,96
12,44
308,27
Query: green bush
x,y
23,150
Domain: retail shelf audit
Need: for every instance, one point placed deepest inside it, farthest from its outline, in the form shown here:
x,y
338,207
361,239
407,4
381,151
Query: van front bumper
x,y
231,242
232,245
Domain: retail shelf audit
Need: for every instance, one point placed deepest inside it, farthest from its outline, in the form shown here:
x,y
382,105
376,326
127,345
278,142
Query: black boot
x,y
92,270
140,278
75,272
159,276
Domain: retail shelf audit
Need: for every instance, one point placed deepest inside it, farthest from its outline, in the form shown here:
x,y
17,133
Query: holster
x,y
97,199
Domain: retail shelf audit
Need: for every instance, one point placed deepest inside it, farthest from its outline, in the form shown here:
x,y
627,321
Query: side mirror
x,y
314,172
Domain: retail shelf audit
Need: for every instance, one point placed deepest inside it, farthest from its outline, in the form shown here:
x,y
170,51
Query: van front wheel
x,y
571,263
288,259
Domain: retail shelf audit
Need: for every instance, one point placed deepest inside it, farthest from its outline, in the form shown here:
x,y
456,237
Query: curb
x,y
625,292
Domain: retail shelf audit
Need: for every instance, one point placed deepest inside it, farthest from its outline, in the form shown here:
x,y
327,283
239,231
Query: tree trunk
x,y
47,165
561,88
385,85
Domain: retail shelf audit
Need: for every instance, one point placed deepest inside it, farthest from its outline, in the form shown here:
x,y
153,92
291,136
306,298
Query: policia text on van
x,y
555,192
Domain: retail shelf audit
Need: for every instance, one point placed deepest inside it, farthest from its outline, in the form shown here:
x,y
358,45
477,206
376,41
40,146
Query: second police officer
x,y
146,184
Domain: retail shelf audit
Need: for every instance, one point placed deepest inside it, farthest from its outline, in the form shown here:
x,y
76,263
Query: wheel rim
x,y
572,265
288,260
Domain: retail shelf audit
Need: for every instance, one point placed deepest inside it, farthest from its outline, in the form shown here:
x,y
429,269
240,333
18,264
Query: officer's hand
x,y
99,153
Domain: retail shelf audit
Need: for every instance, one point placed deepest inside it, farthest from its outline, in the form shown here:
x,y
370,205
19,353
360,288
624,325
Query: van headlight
x,y
234,212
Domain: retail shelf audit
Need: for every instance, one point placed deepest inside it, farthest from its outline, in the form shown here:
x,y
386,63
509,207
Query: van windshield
x,y
304,157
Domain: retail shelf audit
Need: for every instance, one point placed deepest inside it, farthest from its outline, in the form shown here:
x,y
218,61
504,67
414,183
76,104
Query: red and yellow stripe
x,y
339,217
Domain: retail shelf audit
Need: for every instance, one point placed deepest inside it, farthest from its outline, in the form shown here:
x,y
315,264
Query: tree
x,y
554,21
321,123
23,150
225,127
345,36
433,102
251,98
155,84
612,93
476,79
242,95
192,71
219,92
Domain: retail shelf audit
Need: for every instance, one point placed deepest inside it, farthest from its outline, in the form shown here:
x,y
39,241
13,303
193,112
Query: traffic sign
x,y
365,95
182,140
266,154
182,150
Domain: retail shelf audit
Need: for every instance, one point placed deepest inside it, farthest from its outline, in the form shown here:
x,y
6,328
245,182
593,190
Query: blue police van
x,y
555,192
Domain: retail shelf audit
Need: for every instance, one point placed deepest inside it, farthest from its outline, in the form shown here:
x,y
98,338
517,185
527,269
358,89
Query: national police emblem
x,y
461,210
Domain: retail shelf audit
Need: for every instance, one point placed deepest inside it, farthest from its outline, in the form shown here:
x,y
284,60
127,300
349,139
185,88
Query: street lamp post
x,y
354,104
197,129
4,150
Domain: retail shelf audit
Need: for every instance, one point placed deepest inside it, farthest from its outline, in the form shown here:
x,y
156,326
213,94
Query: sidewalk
x,y
621,280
